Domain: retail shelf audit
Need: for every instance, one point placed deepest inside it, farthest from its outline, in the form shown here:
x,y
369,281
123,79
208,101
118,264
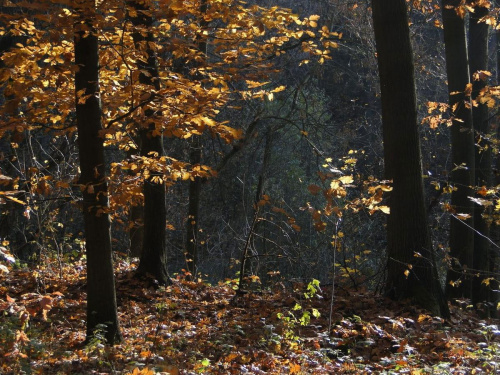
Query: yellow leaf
x,y
14,199
385,209
481,75
468,89
279,88
255,84
208,121
346,179
487,281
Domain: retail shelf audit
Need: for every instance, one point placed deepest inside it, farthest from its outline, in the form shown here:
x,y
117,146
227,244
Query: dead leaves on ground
x,y
190,328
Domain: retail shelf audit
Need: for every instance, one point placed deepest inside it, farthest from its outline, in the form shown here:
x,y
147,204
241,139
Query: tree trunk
x,y
462,149
411,265
478,60
259,193
135,217
154,256
136,230
101,298
496,229
195,159
193,211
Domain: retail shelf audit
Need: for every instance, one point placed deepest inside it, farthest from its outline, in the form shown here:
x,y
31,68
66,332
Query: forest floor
x,y
196,328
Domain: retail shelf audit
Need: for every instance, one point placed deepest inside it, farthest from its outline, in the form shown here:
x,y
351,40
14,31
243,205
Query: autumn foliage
x,y
194,327
227,78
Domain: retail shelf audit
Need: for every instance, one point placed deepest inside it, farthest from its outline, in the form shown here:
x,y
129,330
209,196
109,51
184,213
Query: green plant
x,y
202,366
96,346
300,316
489,332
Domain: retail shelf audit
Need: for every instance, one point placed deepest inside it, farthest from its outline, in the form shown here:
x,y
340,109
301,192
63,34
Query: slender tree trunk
x,y
195,183
458,282
101,299
496,229
193,211
256,208
411,264
478,60
136,219
136,230
154,255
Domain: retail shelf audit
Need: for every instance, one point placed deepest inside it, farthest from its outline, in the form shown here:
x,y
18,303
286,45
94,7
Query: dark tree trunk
x,y
101,298
193,211
136,230
154,256
478,60
496,229
135,218
195,183
462,149
266,160
411,265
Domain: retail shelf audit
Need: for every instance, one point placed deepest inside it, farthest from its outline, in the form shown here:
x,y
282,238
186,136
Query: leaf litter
x,y
197,328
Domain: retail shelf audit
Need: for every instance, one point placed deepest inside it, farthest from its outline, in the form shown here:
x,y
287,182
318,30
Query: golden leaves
x,y
468,89
346,180
481,201
254,84
10,195
311,21
434,120
481,75
38,75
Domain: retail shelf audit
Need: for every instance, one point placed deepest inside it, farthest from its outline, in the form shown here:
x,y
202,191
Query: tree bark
x,y
496,230
136,230
259,193
193,211
462,149
153,259
195,183
411,270
478,60
101,298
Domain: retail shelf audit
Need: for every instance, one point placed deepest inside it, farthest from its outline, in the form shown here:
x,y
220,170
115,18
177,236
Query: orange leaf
x,y
294,368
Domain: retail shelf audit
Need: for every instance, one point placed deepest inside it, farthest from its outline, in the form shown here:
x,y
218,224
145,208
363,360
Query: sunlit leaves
x,y
481,201
246,43
338,198
436,111
181,328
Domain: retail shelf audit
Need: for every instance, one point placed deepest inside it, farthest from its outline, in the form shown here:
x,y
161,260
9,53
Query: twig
x,y
337,224
479,233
